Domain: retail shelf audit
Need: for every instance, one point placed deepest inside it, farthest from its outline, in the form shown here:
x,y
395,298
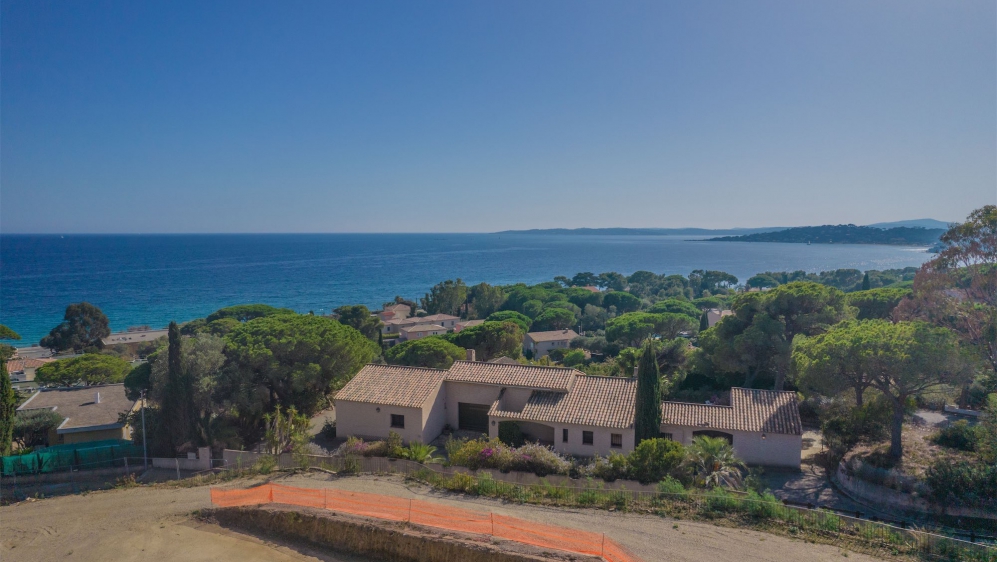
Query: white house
x,y
467,324
394,312
394,326
572,412
540,343
763,425
420,331
714,315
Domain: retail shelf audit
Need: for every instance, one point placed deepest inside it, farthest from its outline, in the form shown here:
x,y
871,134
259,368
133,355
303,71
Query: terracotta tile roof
x,y
79,407
593,401
422,319
423,328
18,365
555,335
550,378
766,411
504,361
393,385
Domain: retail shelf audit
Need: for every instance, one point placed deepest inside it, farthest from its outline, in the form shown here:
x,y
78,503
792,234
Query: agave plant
x,y
713,462
419,452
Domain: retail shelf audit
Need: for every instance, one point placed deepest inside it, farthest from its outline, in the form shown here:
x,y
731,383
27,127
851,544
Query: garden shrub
x,y
959,435
669,485
653,459
609,468
537,459
510,434
962,483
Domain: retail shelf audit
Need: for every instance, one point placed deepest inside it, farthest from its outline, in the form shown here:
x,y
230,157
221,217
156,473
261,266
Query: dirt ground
x,y
156,523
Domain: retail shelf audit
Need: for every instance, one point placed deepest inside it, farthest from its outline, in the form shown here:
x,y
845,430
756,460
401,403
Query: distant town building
x,y
395,312
138,336
420,331
394,326
540,343
91,412
467,324
714,315
23,370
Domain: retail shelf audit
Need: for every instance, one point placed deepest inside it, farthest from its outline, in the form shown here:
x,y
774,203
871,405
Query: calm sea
x,y
153,279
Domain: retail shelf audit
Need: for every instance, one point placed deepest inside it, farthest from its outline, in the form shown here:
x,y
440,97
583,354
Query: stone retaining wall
x,y
395,542
882,497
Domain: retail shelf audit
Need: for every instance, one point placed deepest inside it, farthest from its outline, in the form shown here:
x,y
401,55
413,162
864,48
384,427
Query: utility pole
x,y
145,449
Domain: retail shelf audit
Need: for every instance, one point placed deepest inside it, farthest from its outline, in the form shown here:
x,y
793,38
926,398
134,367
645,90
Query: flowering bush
x,y
537,459
492,453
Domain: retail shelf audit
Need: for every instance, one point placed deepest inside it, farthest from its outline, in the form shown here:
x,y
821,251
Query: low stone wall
x,y
882,497
394,542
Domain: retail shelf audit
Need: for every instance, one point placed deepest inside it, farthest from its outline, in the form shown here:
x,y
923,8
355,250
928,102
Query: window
x,y
587,438
564,435
667,436
616,440
397,421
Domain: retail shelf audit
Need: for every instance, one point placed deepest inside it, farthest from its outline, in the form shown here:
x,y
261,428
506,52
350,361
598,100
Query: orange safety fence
x,y
431,515
547,536
236,498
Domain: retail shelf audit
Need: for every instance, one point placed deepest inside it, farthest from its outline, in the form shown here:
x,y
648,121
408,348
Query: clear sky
x,y
323,116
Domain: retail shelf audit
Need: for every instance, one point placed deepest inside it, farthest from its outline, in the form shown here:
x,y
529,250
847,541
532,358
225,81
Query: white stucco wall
x,y
434,414
601,438
776,449
362,419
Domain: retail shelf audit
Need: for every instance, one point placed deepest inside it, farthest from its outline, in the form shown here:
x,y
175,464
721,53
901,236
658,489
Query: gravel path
x,y
154,523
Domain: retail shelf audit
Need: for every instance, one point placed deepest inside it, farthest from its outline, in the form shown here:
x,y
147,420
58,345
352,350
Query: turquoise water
x,y
153,279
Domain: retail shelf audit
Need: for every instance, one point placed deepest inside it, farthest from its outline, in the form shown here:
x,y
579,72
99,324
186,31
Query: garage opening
x,y
472,417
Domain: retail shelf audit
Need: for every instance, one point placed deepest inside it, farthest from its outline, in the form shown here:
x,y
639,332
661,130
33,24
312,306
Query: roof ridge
x,y
697,404
405,367
517,365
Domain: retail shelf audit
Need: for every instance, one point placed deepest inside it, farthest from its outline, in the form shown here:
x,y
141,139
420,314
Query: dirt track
x,y
154,523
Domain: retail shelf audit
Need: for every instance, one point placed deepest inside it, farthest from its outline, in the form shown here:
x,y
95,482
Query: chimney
x,y
635,372
96,398
470,355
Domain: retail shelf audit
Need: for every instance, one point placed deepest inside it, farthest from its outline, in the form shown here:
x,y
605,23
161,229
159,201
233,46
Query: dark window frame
x,y
564,435
616,440
588,438
395,421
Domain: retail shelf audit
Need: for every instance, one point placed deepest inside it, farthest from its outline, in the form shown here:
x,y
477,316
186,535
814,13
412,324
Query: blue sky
x,y
479,116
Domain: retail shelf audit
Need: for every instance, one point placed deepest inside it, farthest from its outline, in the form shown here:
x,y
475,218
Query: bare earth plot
x,y
154,523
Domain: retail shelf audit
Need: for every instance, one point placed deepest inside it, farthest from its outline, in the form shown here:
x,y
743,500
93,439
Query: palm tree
x,y
419,452
713,462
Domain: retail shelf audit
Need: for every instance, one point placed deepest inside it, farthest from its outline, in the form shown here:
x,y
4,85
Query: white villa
x,y
420,331
540,343
394,326
574,413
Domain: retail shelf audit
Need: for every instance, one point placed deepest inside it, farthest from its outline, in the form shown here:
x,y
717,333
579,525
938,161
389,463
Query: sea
x,y
153,279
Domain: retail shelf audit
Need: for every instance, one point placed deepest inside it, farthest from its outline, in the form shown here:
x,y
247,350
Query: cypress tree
x,y
176,401
8,398
704,322
865,282
8,407
647,414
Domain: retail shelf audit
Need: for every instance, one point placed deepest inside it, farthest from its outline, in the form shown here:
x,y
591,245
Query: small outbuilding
x,y
91,413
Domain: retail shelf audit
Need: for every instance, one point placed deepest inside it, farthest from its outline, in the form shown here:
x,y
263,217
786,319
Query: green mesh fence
x,y
82,456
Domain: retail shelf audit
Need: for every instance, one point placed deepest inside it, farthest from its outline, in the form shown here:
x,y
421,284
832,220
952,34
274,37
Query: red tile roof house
x,y
420,331
574,413
91,412
394,326
763,425
540,343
